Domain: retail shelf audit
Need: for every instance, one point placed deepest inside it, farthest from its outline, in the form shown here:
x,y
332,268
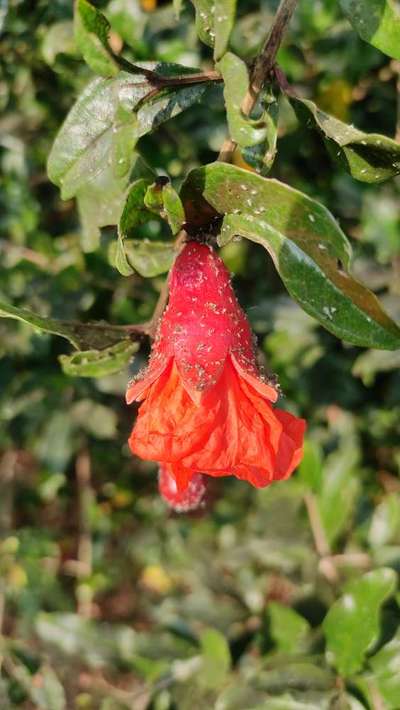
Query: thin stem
x,y
85,555
266,59
262,67
152,326
326,565
397,73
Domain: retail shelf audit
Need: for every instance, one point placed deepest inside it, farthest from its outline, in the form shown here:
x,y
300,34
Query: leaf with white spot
x,y
351,625
368,157
308,248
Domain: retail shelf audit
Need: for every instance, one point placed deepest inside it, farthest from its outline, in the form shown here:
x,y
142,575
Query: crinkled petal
x,y
169,425
267,390
138,388
232,431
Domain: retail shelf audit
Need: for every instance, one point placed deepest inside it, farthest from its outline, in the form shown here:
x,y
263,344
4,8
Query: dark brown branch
x,y
266,59
263,66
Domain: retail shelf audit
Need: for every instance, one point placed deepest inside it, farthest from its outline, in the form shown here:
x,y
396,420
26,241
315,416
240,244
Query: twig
x,y
396,67
150,327
262,67
85,553
326,564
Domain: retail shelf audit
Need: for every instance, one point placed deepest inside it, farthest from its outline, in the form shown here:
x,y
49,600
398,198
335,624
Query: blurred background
x,y
107,599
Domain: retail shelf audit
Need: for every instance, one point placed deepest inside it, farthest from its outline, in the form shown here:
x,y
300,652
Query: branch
x,y
262,67
85,552
327,561
150,327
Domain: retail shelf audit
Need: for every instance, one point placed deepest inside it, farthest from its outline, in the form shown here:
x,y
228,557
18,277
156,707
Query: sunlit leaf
x,y
262,155
352,622
243,130
311,469
214,23
173,207
59,39
134,213
162,199
47,691
308,248
224,18
339,487
386,672
95,644
377,22
94,418
288,628
98,363
146,257
93,155
385,523
296,674
216,658
91,37
204,20
372,362
369,157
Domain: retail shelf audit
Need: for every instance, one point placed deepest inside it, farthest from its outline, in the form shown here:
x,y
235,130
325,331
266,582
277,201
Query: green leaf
x,y
310,470
96,644
177,5
147,258
377,22
49,693
81,335
168,103
91,37
288,628
262,155
134,214
370,363
216,659
59,39
99,363
386,672
308,248
86,159
385,523
162,199
339,489
352,623
96,131
214,23
135,211
243,130
93,155
205,20
294,674
173,208
369,157
94,418
224,19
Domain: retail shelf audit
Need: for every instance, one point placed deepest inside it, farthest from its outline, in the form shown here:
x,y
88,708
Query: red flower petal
x,y
202,323
192,498
233,431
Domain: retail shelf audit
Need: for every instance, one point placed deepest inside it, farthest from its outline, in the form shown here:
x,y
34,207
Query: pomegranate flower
x,y
192,498
206,408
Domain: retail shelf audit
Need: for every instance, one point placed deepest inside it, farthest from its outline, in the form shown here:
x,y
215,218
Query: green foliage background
x,y
107,600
